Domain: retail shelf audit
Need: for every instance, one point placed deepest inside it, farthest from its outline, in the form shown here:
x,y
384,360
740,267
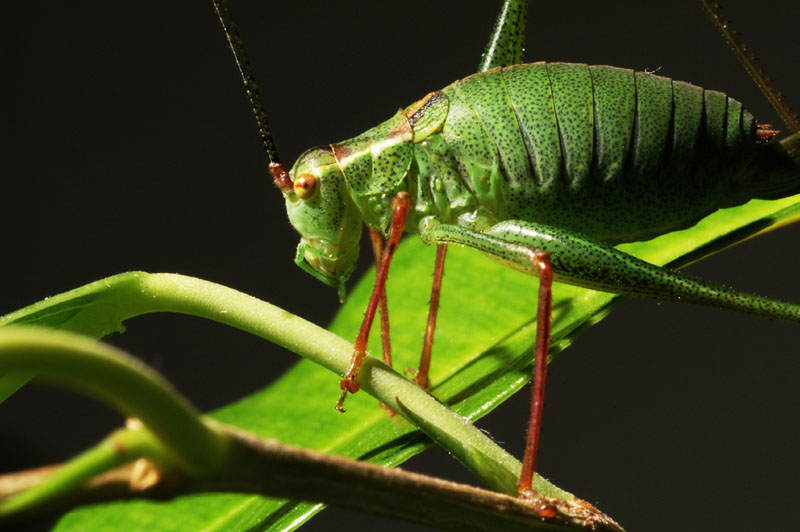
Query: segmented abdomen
x,y
613,154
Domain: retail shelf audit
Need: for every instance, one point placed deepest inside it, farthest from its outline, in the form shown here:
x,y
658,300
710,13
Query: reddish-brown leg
x,y
525,485
377,250
401,204
421,378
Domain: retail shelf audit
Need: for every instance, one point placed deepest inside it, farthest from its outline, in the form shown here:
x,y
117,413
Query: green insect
x,y
543,167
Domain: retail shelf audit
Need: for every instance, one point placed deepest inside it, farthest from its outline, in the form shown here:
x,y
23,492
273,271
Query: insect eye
x,y
305,186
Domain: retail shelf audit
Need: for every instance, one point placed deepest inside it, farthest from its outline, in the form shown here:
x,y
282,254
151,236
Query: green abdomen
x,y
612,154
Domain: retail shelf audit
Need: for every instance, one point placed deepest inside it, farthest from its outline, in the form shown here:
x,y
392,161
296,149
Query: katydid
x,y
543,167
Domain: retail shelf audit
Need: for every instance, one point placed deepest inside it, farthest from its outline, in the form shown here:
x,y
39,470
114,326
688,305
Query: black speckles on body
x,y
489,101
531,98
733,125
599,150
574,105
614,105
687,123
653,124
376,161
716,107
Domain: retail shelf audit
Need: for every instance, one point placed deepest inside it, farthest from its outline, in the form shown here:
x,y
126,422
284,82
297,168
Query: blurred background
x,y
128,145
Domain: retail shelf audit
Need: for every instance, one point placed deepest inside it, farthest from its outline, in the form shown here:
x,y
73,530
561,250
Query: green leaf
x,y
482,356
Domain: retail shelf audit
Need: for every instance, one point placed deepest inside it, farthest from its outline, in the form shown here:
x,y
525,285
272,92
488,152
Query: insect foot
x,y
349,382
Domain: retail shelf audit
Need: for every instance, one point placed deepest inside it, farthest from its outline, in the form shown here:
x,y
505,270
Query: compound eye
x,y
305,186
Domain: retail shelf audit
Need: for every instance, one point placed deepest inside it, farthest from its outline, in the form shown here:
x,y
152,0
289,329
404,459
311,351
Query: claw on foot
x,y
340,402
349,382
348,385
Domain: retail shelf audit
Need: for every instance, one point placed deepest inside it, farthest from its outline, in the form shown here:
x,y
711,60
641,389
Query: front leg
x,y
401,205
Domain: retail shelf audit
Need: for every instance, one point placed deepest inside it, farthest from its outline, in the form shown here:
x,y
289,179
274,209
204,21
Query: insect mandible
x,y
490,205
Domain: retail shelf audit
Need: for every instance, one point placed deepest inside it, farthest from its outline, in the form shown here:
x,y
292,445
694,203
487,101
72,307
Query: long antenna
x,y
236,44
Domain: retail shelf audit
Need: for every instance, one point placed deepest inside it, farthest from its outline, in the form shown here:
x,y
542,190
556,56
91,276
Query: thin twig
x,y
267,467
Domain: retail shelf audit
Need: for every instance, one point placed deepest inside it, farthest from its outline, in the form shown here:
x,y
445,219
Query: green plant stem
x,y
177,293
119,448
220,458
112,300
119,380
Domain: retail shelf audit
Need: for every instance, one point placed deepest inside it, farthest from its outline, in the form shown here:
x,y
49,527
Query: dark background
x,y
129,145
